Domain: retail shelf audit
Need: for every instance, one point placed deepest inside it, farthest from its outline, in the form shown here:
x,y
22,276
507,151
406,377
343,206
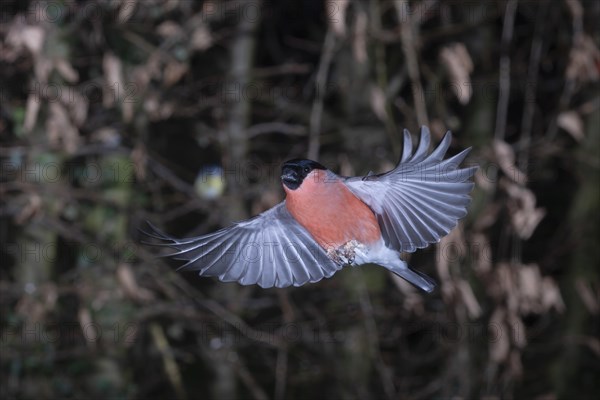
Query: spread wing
x,y
422,199
271,249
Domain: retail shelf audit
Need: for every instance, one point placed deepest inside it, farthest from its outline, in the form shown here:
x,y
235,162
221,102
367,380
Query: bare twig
x,y
530,105
530,92
257,392
199,298
320,89
389,88
242,52
281,368
412,61
373,335
422,10
570,82
171,368
170,177
504,80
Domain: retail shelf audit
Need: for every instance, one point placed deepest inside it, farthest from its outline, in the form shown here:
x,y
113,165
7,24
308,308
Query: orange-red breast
x,y
328,221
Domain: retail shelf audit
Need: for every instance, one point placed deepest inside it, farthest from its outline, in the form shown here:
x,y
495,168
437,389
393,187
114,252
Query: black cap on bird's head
x,y
294,171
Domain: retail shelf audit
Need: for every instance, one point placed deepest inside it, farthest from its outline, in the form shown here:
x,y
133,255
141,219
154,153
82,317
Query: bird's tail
x,y
417,278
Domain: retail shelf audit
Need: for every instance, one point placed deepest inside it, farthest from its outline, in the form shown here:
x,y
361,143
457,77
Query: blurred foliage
x,y
119,111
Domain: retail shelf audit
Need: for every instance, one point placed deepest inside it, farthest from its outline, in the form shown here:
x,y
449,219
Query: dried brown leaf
x,y
515,364
517,330
524,215
66,70
526,221
455,244
32,37
504,276
139,156
504,286
60,130
458,62
126,10
590,299
551,297
377,101
42,69
575,8
452,247
336,15
468,298
113,77
86,323
78,108
530,288
483,181
505,156
128,283
169,28
499,338
584,61
127,110
174,71
482,254
49,295
151,105
31,112
201,38
442,263
571,122
141,77
33,206
488,217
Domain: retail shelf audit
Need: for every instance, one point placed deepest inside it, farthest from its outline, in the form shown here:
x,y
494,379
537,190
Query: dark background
x,y
118,112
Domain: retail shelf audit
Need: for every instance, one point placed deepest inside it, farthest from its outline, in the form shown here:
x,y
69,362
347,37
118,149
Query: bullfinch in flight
x,y
329,221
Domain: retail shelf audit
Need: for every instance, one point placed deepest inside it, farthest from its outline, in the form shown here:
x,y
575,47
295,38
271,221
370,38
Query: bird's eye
x,y
306,170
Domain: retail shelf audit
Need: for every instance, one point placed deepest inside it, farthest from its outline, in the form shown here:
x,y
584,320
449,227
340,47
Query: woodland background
x,y
180,112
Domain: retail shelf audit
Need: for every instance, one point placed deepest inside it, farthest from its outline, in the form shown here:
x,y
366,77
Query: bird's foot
x,y
346,253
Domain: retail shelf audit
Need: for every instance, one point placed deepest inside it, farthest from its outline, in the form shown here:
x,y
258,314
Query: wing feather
x,y
423,147
407,150
272,249
422,199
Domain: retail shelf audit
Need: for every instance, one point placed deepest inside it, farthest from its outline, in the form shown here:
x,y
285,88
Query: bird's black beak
x,y
290,178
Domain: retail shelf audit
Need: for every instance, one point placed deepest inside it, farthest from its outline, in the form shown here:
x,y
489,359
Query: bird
x,y
209,184
328,221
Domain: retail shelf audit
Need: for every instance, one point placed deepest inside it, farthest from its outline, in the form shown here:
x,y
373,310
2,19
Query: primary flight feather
x,y
328,221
